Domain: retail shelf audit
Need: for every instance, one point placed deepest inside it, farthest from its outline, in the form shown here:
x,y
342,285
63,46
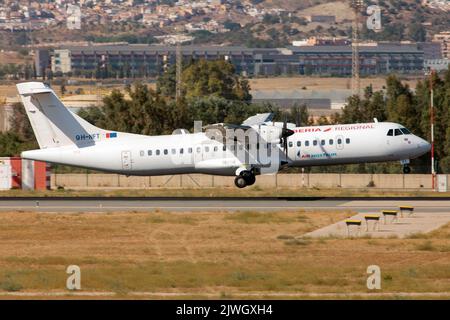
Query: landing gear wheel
x,y
250,180
249,177
240,182
406,169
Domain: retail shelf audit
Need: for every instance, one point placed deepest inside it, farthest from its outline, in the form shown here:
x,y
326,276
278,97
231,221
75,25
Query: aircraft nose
x,y
424,146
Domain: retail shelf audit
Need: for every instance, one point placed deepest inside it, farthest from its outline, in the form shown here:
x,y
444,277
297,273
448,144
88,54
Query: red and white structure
x,y
18,173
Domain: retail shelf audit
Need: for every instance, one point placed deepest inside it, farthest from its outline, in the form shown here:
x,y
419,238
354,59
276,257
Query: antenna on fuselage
x,y
375,120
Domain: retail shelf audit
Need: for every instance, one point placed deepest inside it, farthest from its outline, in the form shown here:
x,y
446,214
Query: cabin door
x,y
126,160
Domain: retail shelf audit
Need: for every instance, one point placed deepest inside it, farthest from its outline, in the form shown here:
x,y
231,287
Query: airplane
x,y
67,139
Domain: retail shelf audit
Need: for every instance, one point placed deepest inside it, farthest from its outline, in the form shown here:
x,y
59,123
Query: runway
x,y
98,204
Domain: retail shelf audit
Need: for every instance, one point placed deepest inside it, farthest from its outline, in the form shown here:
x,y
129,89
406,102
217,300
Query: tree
x,y
63,88
401,104
417,32
116,112
299,115
352,113
20,137
166,83
204,78
375,108
94,115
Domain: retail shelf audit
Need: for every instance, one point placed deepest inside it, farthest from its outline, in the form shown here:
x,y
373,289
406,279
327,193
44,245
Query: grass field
x,y
254,191
278,83
317,83
200,254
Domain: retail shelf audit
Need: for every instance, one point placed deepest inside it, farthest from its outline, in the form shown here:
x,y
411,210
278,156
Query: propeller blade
x,y
285,131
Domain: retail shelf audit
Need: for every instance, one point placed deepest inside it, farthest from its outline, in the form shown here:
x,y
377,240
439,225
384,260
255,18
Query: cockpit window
x,y
390,132
398,132
405,131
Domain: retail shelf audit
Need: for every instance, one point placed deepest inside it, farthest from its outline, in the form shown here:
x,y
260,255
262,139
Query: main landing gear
x,y
244,179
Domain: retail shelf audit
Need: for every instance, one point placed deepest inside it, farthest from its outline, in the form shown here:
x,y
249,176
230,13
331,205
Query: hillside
x,y
402,20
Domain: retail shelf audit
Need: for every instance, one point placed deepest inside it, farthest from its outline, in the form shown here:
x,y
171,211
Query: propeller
x,y
285,133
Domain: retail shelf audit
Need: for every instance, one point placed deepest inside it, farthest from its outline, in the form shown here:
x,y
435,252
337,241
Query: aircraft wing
x,y
258,119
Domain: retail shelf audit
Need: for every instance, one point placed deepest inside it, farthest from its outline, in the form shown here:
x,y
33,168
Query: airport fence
x,y
301,180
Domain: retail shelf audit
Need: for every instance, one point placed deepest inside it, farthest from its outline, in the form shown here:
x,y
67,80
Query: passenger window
x,y
307,143
158,152
398,132
323,142
181,151
206,149
339,141
299,143
149,152
390,133
347,141
315,142
174,151
291,144
199,149
142,153
405,131
190,150
215,149
224,148
331,142
166,151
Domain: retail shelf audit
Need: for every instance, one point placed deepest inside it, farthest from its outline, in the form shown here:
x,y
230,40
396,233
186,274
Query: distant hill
x,y
401,20
292,4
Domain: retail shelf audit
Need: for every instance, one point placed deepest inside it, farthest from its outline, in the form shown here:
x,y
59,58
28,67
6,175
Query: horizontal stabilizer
x,y
30,88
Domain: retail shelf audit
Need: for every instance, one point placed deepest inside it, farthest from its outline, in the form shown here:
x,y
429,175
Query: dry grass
x,y
316,83
340,9
210,252
254,191
279,83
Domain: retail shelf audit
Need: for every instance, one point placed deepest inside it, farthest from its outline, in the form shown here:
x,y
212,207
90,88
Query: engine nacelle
x,y
274,133
289,125
270,134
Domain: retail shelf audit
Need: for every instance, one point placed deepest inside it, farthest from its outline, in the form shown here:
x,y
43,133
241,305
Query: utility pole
x,y
2,117
179,70
433,167
356,5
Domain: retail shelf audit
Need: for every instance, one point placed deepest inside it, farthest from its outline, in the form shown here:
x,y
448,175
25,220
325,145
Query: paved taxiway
x,y
218,204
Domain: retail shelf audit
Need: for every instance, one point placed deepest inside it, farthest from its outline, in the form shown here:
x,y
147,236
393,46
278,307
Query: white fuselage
x,y
131,154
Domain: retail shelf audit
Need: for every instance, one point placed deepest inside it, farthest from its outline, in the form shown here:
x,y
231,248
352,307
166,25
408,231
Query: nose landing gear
x,y
244,179
406,167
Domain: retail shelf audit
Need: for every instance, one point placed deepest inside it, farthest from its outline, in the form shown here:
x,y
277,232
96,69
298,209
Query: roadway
x,y
127,204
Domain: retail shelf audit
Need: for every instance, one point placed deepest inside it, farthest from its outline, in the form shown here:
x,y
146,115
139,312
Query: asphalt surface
x,y
99,204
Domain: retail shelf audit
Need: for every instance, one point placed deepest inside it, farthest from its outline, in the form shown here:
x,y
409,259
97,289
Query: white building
x,y
73,17
61,61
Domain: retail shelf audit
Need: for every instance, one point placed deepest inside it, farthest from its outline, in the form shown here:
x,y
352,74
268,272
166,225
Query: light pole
x,y
433,169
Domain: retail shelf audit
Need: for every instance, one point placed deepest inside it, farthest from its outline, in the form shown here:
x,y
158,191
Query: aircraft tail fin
x,y
53,124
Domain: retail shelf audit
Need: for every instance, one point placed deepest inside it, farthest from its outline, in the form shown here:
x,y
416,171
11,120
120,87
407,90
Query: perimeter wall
x,y
350,181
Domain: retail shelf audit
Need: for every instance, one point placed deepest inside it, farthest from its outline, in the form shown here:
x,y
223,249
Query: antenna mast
x,y
179,70
356,83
